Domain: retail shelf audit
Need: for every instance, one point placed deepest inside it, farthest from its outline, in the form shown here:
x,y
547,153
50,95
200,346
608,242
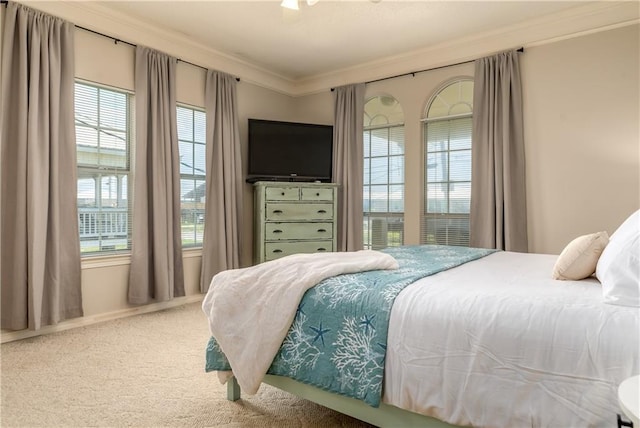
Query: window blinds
x,y
103,136
191,141
447,182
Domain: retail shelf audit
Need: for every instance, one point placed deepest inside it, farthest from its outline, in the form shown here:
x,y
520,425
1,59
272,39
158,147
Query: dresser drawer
x,y
281,231
282,193
315,194
275,250
279,211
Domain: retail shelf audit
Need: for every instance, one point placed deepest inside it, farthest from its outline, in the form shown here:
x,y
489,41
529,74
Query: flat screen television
x,y
289,151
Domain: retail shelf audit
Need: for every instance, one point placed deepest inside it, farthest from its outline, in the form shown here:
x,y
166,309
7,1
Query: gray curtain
x,y
348,163
156,247
40,248
223,204
498,194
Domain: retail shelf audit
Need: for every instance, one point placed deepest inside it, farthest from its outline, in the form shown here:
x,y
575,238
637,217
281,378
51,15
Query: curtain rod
x,y
116,41
413,73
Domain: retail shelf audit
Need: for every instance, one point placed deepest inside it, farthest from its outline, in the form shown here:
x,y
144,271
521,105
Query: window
x,y
191,139
383,190
103,145
447,148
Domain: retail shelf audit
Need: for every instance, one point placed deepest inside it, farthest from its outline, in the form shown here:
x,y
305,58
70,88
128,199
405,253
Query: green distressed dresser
x,y
294,218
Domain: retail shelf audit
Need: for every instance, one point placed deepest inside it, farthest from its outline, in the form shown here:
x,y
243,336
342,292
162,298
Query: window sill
x,y
188,253
95,262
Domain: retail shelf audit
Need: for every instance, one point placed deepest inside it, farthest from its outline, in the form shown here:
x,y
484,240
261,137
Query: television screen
x,y
289,151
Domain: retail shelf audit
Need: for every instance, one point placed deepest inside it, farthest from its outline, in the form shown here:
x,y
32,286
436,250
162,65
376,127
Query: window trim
x,y
440,88
454,116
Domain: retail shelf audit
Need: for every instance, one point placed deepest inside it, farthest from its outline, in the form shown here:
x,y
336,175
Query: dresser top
x,y
293,184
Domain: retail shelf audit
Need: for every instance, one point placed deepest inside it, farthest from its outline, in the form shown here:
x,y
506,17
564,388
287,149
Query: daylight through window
x,y
383,189
447,148
103,143
191,138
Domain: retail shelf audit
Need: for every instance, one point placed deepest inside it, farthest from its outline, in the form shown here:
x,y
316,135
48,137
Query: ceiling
x,y
330,35
336,42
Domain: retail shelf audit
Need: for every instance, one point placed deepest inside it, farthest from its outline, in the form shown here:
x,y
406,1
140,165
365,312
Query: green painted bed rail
x,y
383,416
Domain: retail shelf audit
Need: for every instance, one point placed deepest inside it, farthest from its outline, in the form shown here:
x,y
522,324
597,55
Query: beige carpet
x,y
141,371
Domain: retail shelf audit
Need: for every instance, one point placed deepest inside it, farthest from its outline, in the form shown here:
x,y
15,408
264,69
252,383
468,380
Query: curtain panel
x,y
348,163
156,247
39,239
498,216
221,247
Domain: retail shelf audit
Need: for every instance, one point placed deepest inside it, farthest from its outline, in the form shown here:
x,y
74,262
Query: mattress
x,y
498,343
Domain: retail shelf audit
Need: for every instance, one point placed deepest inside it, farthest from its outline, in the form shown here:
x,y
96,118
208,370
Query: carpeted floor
x,y
141,371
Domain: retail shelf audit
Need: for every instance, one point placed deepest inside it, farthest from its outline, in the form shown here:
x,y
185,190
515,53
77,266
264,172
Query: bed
x,y
491,341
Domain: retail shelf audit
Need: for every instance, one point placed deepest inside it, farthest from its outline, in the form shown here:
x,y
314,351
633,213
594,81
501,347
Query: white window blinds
x,y
191,140
447,182
103,142
383,190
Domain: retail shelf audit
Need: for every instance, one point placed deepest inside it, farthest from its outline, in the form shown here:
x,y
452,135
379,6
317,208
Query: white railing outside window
x,y
383,181
191,139
447,148
103,147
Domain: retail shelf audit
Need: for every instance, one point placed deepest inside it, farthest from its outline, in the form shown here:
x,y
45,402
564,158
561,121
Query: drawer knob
x,y
317,194
277,231
277,211
282,193
322,211
322,230
322,249
277,251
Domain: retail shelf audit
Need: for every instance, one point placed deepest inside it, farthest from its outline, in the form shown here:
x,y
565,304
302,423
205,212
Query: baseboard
x,y
10,336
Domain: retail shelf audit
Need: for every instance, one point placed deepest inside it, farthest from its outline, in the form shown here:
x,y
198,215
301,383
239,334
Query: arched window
x,y
383,190
447,149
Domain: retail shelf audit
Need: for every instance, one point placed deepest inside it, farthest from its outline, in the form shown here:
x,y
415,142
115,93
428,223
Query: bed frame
x,y
383,416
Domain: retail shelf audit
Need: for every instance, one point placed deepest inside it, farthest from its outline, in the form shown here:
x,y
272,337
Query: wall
x,y
105,281
581,111
100,60
581,117
256,103
413,94
105,284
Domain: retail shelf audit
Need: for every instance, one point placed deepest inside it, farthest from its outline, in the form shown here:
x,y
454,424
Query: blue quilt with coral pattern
x,y
338,339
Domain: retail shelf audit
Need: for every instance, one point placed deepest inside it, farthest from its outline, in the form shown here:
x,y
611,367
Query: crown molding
x,y
97,17
574,22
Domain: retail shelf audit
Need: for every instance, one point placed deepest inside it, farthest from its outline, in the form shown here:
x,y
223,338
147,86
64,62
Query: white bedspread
x,y
498,343
250,310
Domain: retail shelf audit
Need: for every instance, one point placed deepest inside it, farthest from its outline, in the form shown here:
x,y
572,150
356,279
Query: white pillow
x,y
579,258
618,268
